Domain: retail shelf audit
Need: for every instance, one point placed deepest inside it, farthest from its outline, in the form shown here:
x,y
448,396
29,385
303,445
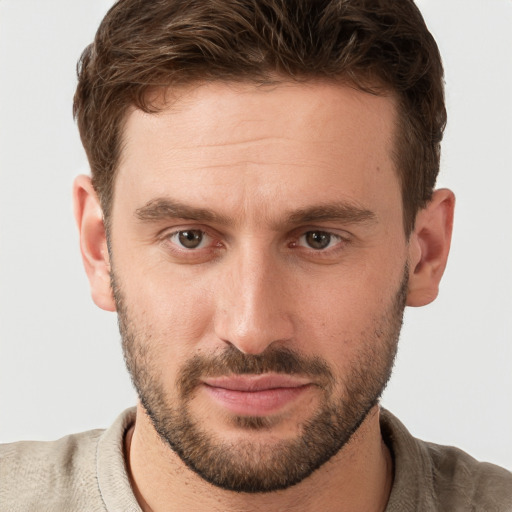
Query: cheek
x,y
339,318
168,313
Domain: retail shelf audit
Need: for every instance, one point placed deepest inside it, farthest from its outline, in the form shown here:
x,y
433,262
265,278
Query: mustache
x,y
233,362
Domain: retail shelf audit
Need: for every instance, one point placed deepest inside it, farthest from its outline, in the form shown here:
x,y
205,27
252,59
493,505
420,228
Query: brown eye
x,y
317,239
190,239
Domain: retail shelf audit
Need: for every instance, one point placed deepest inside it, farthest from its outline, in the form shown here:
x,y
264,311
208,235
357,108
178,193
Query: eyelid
x,y
340,233
203,244
216,241
343,239
169,231
337,239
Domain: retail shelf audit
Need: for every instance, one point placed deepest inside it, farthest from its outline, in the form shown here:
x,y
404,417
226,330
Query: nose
x,y
253,302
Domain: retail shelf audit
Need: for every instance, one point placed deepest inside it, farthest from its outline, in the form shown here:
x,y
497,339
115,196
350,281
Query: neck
x,y
358,478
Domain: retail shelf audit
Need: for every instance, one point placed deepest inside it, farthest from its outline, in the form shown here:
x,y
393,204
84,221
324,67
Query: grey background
x,y
61,368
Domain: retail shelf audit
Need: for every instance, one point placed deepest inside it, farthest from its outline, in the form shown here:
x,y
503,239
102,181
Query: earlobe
x,y
429,246
93,242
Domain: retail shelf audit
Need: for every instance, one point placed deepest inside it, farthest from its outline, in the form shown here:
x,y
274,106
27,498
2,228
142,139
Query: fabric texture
x,y
86,473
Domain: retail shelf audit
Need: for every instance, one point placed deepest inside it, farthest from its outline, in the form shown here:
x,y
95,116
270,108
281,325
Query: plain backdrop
x,y
61,367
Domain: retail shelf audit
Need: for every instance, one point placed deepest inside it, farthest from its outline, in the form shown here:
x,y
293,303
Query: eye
x,y
319,240
190,239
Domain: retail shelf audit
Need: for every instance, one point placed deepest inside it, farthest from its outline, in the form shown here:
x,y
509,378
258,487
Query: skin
x,y
258,157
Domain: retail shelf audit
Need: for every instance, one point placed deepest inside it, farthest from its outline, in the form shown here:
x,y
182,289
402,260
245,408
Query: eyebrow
x,y
342,211
166,208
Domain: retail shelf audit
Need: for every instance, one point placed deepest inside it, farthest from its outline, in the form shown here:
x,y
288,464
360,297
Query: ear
x,y
93,242
429,246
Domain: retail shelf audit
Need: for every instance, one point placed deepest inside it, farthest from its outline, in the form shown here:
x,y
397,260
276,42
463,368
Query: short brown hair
x,y
376,45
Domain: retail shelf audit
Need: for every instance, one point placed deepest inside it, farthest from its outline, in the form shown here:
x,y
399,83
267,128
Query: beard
x,y
250,465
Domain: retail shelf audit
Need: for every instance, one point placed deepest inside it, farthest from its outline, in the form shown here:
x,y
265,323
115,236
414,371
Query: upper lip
x,y
256,382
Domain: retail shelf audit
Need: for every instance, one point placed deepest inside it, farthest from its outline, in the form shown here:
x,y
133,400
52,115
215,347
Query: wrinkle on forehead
x,y
219,98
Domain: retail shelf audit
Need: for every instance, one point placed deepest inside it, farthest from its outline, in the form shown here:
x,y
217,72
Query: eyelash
x,y
177,234
332,236
340,243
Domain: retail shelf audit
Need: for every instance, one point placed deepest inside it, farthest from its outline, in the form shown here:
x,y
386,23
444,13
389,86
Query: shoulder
x,y
432,477
55,475
458,476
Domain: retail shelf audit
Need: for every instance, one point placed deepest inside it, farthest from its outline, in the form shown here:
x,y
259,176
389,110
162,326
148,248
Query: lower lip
x,y
255,403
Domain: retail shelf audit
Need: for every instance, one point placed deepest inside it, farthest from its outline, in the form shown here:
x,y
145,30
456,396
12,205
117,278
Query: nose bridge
x,y
254,307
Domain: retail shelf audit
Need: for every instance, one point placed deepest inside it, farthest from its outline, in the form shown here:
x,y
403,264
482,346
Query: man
x,y
261,209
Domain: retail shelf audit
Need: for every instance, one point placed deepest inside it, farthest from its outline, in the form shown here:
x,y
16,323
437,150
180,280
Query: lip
x,y
256,395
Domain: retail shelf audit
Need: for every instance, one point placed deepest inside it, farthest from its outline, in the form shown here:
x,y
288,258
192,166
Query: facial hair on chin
x,y
250,466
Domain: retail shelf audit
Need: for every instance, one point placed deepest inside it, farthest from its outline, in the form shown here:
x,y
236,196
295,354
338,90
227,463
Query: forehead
x,y
244,142
227,112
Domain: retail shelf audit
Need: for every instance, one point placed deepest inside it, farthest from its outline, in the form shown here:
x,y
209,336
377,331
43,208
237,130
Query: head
x,y
261,210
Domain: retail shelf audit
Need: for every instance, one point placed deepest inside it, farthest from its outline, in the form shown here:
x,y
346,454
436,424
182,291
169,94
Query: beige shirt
x,y
86,472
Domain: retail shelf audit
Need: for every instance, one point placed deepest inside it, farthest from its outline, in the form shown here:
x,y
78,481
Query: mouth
x,y
256,395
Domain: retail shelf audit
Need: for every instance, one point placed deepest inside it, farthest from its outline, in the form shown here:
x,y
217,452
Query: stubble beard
x,y
251,466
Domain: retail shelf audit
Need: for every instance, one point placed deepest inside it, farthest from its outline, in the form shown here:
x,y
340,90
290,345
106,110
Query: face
x,y
259,269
